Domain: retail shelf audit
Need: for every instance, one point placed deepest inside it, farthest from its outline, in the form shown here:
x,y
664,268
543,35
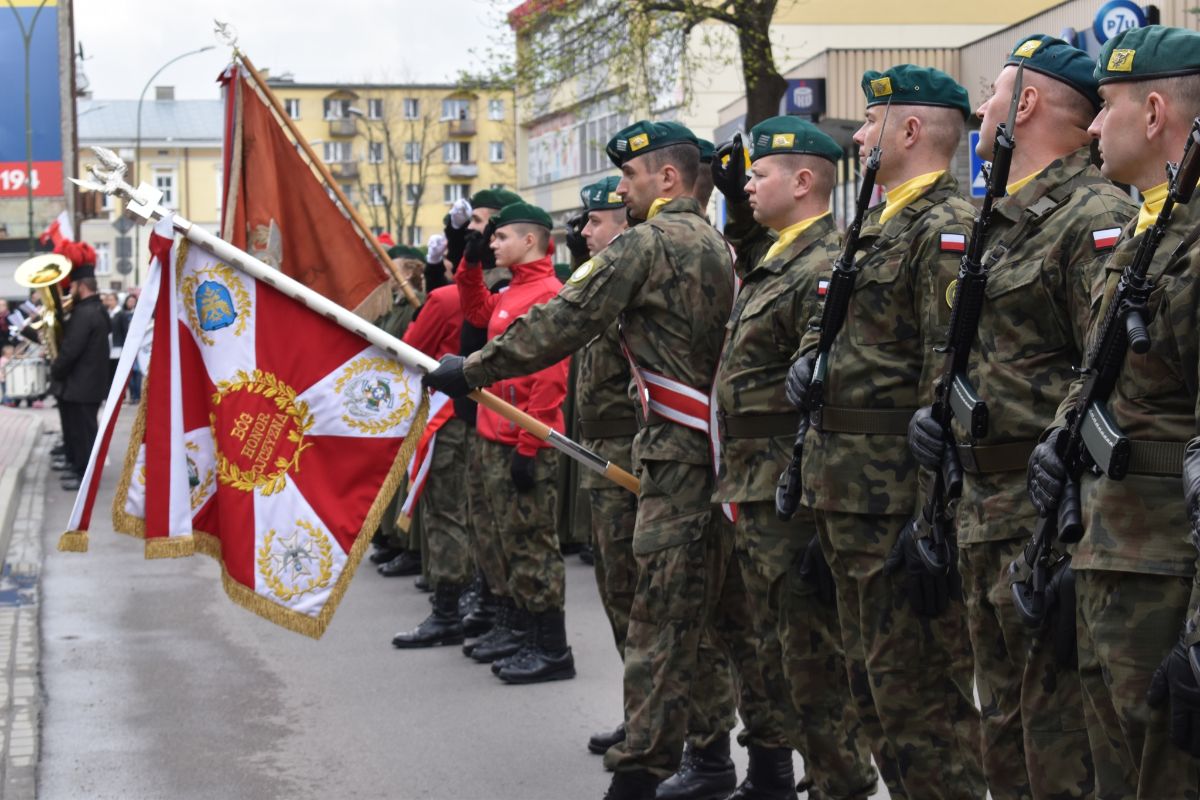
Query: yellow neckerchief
x,y
906,192
790,234
657,205
1016,186
1152,203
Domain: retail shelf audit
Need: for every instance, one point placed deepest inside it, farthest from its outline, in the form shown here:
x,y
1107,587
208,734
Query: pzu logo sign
x,y
1117,16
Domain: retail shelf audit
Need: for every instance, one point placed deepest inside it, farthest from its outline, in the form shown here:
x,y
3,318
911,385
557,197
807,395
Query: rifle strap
x,y
1163,459
874,421
989,458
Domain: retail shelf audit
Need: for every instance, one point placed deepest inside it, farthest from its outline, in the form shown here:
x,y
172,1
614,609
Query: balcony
x,y
342,127
462,127
344,169
467,169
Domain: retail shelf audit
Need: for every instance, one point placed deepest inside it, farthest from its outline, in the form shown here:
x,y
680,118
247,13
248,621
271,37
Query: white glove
x,y
436,249
460,213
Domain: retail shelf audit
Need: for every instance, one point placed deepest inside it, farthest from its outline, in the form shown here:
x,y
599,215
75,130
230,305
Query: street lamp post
x,y
137,155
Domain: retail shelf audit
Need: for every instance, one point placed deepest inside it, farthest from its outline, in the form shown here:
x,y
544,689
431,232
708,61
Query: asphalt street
x,y
156,685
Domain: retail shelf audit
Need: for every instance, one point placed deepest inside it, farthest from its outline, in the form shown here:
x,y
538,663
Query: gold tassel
x,y
73,542
170,546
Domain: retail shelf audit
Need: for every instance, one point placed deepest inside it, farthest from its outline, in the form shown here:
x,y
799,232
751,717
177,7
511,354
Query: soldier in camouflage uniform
x,y
669,282
1135,568
800,653
909,666
1047,244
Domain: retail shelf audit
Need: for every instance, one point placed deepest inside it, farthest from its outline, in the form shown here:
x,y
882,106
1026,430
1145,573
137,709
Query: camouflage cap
x,y
405,251
521,212
643,136
791,135
707,151
602,195
909,85
1057,59
1142,54
494,198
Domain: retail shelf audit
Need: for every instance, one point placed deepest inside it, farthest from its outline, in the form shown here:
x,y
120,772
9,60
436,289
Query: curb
x,y
12,477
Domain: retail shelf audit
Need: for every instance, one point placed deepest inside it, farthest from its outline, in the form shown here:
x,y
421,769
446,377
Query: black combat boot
x,y
442,627
600,742
507,640
769,776
547,657
481,615
705,773
407,563
636,785
500,626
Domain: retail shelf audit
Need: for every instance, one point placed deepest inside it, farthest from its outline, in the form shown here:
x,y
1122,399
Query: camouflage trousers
x,y
910,677
807,697
447,557
484,537
1127,624
1033,733
523,524
681,564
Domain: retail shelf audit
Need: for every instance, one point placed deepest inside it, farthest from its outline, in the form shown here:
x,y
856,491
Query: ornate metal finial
x,y
226,34
108,177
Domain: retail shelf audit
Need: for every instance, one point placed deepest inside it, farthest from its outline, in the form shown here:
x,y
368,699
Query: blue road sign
x,y
978,183
1116,16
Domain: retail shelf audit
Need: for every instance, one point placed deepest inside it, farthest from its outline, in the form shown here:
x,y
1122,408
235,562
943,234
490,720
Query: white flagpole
x,y
143,203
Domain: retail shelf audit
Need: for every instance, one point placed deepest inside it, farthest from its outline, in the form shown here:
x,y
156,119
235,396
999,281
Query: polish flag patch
x,y
822,288
954,243
1106,239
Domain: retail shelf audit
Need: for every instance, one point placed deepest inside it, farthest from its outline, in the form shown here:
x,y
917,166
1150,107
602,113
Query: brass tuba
x,y
44,273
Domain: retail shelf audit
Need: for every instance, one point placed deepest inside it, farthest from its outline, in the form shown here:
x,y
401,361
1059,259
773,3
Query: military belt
x,y
758,426
607,428
987,458
1164,459
878,421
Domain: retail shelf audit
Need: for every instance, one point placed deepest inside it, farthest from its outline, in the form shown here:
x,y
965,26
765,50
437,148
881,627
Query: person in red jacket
x,y
518,472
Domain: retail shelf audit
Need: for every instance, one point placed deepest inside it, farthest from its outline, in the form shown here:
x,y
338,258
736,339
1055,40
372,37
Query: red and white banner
x,y
270,438
440,412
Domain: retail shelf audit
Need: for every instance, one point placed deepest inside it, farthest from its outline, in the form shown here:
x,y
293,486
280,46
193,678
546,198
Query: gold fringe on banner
x,y
123,521
73,542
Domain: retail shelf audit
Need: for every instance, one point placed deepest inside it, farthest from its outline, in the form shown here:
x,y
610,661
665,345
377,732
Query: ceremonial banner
x,y
270,438
277,210
441,410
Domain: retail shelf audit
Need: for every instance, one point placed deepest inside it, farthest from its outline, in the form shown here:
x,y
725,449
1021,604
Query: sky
x,y
126,41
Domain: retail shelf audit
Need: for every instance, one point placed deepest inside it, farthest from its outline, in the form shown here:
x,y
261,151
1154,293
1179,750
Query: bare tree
x,y
404,146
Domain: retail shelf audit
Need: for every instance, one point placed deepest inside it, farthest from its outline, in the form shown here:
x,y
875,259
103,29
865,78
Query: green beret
x,y
791,135
707,150
643,136
494,198
521,212
1142,54
603,195
405,251
908,85
1059,60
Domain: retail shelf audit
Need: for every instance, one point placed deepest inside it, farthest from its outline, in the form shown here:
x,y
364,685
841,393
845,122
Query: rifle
x,y
954,396
1093,440
833,316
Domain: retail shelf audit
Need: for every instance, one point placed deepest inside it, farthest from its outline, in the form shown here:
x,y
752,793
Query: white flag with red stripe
x,y
270,438
440,412
954,243
1106,239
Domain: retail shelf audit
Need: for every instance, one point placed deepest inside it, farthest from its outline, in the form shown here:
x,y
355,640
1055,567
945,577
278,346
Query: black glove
x,y
521,470
814,570
926,438
1176,680
575,241
448,377
729,171
1047,473
1191,484
474,247
798,379
929,594
456,240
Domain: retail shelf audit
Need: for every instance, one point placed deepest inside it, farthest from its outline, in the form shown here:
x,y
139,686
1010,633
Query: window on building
x,y
412,152
456,109
376,230
412,108
595,135
336,109
495,152
103,258
292,106
348,190
413,192
496,110
498,186
456,152
414,235
164,181
375,152
375,194
374,108
337,152
455,191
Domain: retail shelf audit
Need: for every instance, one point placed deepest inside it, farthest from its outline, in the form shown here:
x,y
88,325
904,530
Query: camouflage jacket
x,y
602,393
1139,524
669,282
883,358
774,306
1043,262
397,318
